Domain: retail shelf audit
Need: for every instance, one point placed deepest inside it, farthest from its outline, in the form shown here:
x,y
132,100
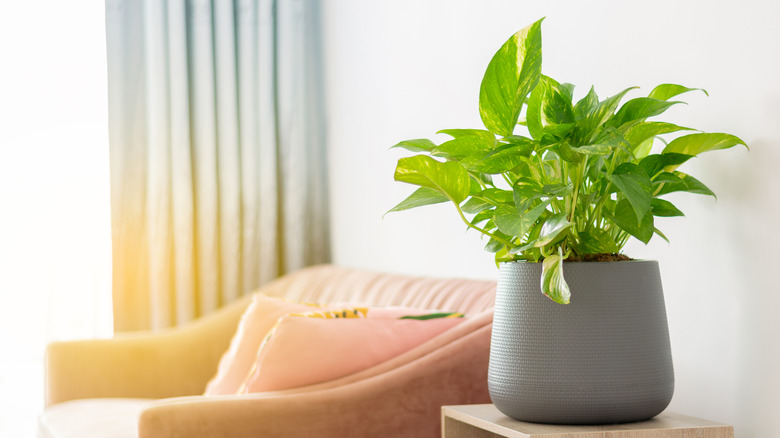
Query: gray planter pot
x,y
604,358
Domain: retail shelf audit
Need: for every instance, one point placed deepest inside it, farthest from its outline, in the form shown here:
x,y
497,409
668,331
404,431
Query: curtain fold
x,y
218,166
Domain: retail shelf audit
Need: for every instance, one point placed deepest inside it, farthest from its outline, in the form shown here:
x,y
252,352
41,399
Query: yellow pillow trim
x,y
356,312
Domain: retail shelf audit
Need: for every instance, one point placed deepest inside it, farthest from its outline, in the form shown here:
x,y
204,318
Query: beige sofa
x,y
149,384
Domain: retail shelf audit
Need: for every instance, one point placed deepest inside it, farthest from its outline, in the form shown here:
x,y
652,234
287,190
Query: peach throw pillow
x,y
302,351
258,319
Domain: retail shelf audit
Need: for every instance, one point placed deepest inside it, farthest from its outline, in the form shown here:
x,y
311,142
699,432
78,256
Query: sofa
x,y
151,384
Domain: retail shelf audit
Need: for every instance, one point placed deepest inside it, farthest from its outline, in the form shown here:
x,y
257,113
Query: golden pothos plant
x,y
580,179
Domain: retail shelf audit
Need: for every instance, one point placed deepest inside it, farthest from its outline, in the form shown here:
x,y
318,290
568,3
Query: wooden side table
x,y
485,421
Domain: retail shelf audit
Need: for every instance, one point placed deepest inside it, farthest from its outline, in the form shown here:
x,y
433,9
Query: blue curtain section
x,y
218,166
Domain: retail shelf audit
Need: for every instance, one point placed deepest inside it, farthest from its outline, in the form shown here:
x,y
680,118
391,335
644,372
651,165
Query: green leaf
x,y
503,256
625,218
519,140
420,197
664,178
695,144
435,315
512,73
594,149
416,145
664,208
642,131
596,241
494,245
663,236
644,148
657,163
458,133
549,109
524,194
463,146
497,196
640,108
684,183
611,137
668,91
586,105
553,284
510,221
556,190
633,182
499,160
557,131
475,187
567,153
599,115
482,216
475,205
553,229
449,179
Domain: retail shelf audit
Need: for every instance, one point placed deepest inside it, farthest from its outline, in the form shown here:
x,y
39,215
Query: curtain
x,y
218,167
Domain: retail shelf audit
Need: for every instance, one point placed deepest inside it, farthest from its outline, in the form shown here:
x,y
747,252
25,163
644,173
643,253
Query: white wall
x,y
405,69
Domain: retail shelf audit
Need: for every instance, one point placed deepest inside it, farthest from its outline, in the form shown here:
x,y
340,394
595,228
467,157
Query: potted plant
x,y
580,332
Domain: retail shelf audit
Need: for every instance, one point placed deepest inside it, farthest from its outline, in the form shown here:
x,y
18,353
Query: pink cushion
x,y
258,319
303,351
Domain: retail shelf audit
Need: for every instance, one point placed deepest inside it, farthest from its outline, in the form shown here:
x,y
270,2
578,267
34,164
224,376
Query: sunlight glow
x,y
55,239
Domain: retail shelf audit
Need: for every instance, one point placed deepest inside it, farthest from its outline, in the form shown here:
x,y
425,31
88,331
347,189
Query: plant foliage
x,y
582,181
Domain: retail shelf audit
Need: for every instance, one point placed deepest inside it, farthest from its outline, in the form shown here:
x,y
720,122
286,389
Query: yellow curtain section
x,y
217,152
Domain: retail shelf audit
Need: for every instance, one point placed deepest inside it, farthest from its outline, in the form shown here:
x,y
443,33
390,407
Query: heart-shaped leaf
x,y
449,179
499,160
497,196
510,221
549,109
416,145
641,131
420,197
553,229
633,182
553,284
681,182
494,245
657,163
624,217
482,216
458,133
598,116
586,105
668,91
475,205
463,146
596,241
695,144
640,108
664,208
512,73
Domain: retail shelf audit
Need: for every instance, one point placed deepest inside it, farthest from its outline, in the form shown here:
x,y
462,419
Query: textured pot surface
x,y
603,358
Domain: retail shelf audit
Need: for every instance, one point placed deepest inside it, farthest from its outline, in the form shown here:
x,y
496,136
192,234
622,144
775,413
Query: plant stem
x,y
658,190
579,175
508,181
482,230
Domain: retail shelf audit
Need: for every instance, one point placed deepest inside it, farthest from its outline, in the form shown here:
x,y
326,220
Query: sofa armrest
x,y
168,363
405,401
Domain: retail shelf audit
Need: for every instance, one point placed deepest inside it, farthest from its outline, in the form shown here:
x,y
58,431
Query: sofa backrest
x,y
333,284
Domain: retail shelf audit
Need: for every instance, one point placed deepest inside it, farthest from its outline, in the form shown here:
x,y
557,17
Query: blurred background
x,y
404,69
55,236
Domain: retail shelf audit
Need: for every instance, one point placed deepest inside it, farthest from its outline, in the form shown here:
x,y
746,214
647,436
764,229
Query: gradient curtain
x,y
218,167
